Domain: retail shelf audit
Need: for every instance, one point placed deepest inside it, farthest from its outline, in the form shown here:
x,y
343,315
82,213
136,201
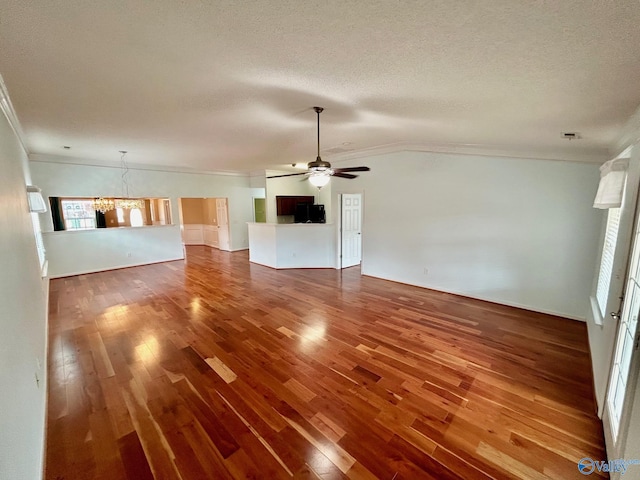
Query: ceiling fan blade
x,y
352,169
343,175
289,175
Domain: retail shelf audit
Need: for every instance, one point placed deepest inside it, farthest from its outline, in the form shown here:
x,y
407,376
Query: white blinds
x,y
606,262
611,188
35,220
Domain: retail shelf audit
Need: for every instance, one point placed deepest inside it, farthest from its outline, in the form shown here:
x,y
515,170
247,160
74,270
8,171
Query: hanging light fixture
x,y
126,202
103,205
319,179
321,170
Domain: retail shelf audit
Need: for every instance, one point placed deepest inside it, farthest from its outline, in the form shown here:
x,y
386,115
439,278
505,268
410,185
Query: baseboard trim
x,y
115,267
485,299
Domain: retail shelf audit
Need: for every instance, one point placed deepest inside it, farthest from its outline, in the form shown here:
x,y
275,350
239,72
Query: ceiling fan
x,y
320,171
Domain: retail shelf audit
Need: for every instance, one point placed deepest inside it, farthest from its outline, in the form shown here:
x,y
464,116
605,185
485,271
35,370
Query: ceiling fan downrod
x,y
318,112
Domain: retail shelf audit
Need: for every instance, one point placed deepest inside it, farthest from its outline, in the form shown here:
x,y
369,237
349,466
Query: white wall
x,y
64,179
298,245
22,321
86,251
512,231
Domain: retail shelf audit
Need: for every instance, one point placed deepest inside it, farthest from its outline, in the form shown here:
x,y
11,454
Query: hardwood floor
x,y
216,368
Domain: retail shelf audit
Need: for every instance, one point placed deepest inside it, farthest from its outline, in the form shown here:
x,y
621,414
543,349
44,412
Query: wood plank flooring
x,y
215,368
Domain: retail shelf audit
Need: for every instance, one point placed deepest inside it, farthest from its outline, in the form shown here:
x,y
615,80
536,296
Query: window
x,y
606,261
120,213
78,214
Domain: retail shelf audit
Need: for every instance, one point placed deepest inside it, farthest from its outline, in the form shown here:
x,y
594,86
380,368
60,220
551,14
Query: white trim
x,y
115,267
110,229
629,135
7,108
485,299
45,370
47,158
585,155
598,319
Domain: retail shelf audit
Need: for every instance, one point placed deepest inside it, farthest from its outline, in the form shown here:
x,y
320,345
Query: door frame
x,y
616,448
253,207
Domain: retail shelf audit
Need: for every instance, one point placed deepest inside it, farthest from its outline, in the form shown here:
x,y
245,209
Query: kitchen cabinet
x,y
286,204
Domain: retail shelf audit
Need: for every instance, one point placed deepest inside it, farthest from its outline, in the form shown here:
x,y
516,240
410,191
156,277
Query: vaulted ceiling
x,y
229,85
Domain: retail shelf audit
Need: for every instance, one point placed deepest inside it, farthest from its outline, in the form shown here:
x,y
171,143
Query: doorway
x,y
205,221
259,210
624,371
350,229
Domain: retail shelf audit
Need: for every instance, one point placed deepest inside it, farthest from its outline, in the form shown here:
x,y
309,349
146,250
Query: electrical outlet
x,y
129,254
426,270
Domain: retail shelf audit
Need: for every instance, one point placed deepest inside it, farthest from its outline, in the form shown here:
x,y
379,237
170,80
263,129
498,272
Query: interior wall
x,y
86,251
513,231
632,442
22,322
192,211
64,179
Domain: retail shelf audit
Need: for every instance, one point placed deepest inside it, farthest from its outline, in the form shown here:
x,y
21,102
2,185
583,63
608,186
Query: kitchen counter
x,y
293,245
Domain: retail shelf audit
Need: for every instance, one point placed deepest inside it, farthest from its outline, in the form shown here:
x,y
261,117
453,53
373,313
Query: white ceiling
x,y
229,85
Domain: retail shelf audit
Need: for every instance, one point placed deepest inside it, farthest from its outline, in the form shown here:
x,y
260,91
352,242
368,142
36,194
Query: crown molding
x,y
45,158
592,155
7,108
629,136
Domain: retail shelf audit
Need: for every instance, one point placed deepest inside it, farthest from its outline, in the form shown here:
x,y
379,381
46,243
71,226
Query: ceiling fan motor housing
x,y
319,165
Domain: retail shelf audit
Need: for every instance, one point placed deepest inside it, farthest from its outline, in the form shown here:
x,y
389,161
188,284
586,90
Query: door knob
x,y
615,315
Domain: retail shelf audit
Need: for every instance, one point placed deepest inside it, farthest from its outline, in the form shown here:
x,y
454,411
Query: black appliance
x,y
309,213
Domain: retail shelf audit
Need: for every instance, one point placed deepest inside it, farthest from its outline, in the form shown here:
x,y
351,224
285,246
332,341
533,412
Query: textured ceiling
x,y
229,85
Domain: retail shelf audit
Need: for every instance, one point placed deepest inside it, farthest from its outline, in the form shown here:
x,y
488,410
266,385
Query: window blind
x,y
35,220
606,262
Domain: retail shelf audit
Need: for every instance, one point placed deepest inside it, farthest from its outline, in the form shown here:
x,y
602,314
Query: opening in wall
x,y
79,213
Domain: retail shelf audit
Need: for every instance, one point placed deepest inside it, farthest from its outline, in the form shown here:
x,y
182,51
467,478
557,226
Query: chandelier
x,y
129,203
103,205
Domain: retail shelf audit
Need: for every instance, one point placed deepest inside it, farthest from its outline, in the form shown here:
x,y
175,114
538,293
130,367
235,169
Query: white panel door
x,y
223,224
351,229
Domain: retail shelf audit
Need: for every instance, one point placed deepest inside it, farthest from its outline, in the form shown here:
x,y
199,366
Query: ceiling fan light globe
x,y
319,180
